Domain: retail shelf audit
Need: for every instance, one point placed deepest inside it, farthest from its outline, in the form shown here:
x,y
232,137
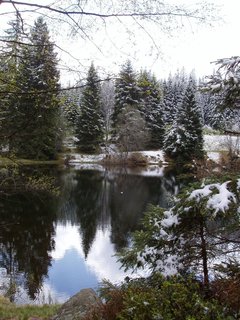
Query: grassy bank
x,y
9,311
4,161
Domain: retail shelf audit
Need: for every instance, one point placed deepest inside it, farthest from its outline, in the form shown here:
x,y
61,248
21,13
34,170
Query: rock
x,y
78,305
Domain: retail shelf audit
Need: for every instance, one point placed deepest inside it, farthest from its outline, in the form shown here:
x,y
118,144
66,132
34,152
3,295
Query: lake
x,y
53,246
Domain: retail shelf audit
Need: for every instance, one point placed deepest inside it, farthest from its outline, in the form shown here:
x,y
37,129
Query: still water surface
x,y
52,247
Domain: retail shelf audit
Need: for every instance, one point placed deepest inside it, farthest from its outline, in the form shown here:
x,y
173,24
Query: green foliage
x,y
138,255
225,82
89,129
15,179
172,298
126,92
71,107
32,127
184,141
199,229
157,297
150,94
9,62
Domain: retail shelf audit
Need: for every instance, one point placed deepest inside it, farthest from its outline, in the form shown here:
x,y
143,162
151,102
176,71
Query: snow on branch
x,y
219,197
226,82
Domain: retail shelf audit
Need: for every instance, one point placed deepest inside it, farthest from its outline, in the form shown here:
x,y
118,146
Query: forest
x,y
191,249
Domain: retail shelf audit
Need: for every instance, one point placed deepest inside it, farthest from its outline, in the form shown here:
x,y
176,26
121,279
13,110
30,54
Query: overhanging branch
x,y
177,12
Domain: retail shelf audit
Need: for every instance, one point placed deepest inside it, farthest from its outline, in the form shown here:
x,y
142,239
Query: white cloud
x,y
67,237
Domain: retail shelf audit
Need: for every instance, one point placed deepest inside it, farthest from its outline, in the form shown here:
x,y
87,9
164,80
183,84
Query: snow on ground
x,y
214,156
216,143
85,158
153,157
213,145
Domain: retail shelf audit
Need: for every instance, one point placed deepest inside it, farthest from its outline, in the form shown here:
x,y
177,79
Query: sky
x,y
109,44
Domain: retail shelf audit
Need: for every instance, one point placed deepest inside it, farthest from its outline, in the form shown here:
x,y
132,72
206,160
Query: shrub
x,y
157,297
136,159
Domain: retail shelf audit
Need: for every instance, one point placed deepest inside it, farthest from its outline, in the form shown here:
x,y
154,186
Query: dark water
x,y
51,247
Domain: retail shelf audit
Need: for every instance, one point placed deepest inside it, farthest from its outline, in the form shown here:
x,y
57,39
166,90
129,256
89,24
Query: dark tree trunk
x,y
204,257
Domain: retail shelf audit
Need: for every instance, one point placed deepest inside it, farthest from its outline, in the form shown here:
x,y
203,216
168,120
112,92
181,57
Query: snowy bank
x,y
152,157
213,145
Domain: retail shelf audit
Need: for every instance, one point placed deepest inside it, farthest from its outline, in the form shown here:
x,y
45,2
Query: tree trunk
x,y
204,257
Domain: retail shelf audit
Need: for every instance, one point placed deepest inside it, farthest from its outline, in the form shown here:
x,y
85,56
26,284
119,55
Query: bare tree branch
x,y
178,12
39,92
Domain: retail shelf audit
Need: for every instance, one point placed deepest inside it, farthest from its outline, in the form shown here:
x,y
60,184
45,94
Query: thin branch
x,y
101,15
51,91
19,16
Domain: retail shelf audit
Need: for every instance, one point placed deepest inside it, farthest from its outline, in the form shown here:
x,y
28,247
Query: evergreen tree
x,y
150,97
9,63
180,83
173,90
36,123
126,92
226,82
213,114
90,122
184,141
71,107
168,103
195,235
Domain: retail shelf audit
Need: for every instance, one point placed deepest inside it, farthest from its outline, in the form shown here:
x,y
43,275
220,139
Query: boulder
x,y
78,305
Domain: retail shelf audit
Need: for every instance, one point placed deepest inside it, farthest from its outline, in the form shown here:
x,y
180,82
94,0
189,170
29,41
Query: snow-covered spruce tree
x,y
180,83
208,104
71,106
199,232
226,82
150,94
184,140
214,115
173,90
168,102
89,129
36,124
126,92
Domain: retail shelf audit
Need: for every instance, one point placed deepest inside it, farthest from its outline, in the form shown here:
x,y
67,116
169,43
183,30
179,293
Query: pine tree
x,y
37,108
150,97
184,141
90,123
126,92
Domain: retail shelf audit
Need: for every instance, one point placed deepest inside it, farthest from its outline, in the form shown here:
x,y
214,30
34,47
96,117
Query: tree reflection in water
x,y
27,231
91,200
